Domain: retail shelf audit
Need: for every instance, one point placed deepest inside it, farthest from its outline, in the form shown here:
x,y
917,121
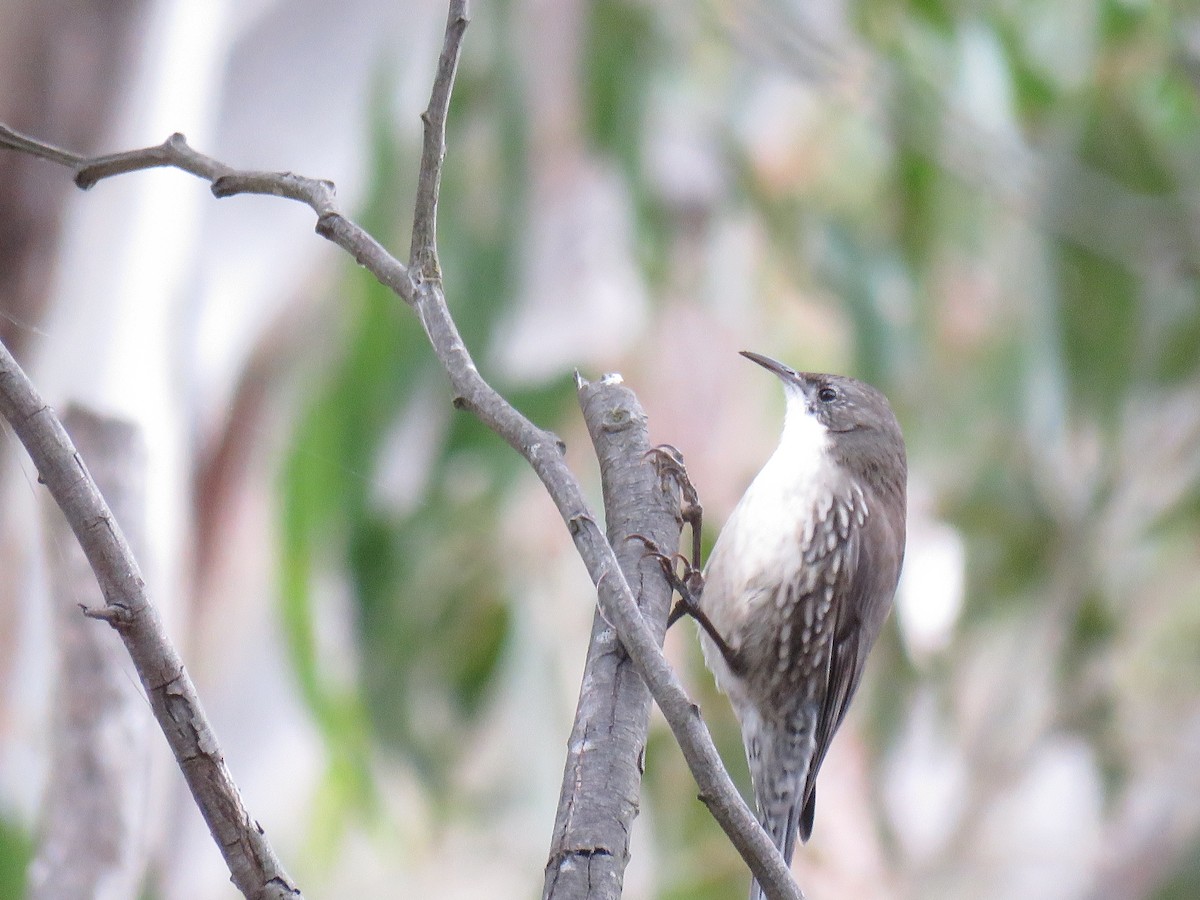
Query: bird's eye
x,y
827,394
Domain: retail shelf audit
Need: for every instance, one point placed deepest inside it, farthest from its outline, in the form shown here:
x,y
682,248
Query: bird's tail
x,y
779,761
782,827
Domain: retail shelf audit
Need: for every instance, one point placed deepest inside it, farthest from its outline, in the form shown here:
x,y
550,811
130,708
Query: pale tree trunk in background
x,y
63,67
63,64
92,839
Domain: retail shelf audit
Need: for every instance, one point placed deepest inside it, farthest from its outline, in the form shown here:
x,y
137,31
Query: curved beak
x,y
787,373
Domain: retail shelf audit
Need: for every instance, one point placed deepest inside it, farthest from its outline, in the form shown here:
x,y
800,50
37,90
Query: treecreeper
x,y
799,583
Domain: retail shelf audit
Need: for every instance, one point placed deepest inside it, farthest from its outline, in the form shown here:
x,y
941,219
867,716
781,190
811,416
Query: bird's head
x,y
856,418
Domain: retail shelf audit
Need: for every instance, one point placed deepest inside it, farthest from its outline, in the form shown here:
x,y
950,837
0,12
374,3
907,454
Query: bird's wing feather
x,y
865,585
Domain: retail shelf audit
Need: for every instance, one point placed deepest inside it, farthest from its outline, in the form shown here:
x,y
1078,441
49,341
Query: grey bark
x,y
605,755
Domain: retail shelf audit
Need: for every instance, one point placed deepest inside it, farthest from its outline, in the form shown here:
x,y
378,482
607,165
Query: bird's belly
x,y
759,549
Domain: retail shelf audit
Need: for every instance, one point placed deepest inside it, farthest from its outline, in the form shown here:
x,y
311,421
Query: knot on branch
x,y
618,419
119,617
579,521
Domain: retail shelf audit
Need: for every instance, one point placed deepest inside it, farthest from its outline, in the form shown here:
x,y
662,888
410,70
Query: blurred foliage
x,y
1185,883
625,52
16,852
622,53
425,578
998,202
1020,279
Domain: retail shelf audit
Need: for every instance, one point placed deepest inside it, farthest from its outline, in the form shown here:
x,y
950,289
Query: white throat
x,y
798,471
804,445
762,531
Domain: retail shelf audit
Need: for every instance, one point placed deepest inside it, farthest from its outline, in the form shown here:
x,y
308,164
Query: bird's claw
x,y
683,577
646,542
666,456
668,562
668,462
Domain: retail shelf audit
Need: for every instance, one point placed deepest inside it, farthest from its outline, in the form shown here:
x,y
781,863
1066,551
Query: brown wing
x,y
873,548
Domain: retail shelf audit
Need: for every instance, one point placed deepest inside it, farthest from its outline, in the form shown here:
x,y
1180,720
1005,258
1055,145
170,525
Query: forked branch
x,y
419,285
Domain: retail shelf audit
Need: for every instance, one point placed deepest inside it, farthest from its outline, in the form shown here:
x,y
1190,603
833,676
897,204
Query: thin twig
x,y
424,256
14,140
420,286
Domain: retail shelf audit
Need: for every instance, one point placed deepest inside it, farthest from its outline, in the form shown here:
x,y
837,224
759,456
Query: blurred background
x,y
989,210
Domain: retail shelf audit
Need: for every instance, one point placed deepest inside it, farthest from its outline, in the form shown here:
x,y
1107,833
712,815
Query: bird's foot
x,y
668,462
687,581
683,577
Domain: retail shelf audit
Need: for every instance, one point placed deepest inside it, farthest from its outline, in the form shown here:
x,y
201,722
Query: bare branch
x,y
542,449
424,257
14,140
602,779
225,181
252,863
174,151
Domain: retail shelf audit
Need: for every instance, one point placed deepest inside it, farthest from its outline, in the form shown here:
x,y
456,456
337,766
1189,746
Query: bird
x,y
799,583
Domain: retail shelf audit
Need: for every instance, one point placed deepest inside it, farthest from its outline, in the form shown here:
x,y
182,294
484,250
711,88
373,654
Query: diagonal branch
x,y
252,863
422,289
